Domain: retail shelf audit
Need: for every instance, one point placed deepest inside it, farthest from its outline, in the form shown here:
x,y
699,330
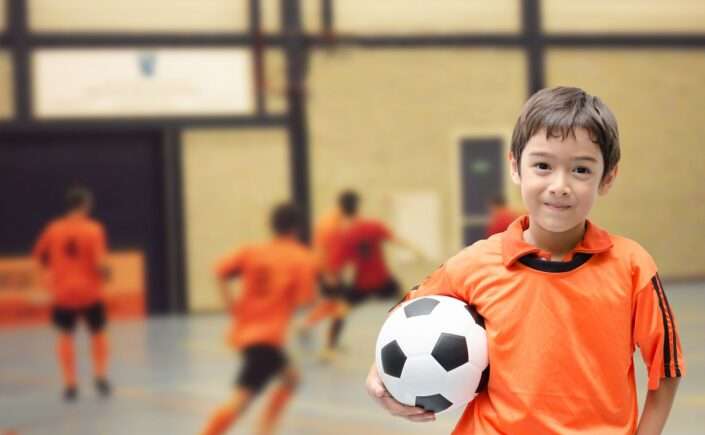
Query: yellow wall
x,y
422,16
659,100
6,87
138,15
388,121
655,16
232,178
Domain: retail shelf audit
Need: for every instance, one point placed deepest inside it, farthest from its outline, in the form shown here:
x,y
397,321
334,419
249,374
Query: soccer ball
x,y
432,353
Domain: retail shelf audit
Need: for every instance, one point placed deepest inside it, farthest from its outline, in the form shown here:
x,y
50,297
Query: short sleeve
x,y
232,265
655,332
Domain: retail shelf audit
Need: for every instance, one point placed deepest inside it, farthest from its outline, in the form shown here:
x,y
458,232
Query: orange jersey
x,y
71,248
278,276
328,226
561,335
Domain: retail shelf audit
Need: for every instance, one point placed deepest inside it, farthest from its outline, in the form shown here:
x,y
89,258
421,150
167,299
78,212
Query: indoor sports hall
x,y
181,124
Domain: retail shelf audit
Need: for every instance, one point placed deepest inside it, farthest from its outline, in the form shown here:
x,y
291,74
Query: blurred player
x,y
278,276
500,216
72,250
326,232
358,243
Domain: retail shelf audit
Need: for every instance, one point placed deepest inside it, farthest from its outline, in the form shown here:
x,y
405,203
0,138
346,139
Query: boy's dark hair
x,y
560,110
348,202
286,218
78,196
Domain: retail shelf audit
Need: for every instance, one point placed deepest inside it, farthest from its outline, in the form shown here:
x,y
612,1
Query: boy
x,y
278,276
72,249
565,303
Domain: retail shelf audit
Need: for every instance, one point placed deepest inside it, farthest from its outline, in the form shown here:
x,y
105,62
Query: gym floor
x,y
170,372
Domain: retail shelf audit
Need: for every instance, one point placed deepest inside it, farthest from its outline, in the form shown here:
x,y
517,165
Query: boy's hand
x,y
375,388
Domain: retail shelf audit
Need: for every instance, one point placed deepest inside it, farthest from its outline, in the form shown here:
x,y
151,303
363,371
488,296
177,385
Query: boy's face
x,y
560,179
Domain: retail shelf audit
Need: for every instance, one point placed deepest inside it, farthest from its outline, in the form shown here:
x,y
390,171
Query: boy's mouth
x,y
556,206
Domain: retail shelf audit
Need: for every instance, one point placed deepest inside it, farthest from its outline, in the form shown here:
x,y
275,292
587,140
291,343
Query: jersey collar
x,y
595,240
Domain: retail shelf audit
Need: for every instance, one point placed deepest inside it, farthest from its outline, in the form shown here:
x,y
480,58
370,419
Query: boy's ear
x,y
608,181
514,169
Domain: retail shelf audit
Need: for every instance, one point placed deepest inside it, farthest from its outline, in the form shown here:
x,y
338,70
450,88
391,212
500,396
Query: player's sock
x,y
66,355
334,334
99,353
280,397
221,419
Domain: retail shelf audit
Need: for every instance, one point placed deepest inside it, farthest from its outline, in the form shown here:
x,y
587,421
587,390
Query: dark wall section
x,y
124,170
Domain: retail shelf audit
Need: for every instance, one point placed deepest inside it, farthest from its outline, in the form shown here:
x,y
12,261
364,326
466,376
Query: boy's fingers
x,y
399,409
422,418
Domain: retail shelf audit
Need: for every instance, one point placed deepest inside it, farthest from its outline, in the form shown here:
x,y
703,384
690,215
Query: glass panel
x,y
139,16
135,82
423,16
607,16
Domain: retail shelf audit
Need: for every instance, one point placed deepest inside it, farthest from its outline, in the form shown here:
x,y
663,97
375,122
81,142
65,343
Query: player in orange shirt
x,y
278,277
565,302
72,250
358,242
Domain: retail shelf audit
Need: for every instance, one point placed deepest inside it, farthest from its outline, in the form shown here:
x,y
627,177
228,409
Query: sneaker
x,y
103,387
70,394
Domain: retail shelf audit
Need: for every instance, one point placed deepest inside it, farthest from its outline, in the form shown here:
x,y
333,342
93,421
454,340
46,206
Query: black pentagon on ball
x,y
393,359
420,307
451,351
435,403
475,315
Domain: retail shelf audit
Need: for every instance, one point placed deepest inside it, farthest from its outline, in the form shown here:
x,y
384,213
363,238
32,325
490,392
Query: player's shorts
x,y
94,316
262,363
389,290
330,291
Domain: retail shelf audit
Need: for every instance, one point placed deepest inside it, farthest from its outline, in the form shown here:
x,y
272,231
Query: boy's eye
x,y
583,170
542,166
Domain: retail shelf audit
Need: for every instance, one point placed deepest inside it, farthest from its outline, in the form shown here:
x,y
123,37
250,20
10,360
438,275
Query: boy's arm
x,y
657,407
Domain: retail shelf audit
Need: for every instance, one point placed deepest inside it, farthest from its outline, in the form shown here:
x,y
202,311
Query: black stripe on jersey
x,y
534,262
673,326
666,336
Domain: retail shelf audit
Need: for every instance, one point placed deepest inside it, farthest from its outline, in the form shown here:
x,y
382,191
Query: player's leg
x,y
227,413
64,319
259,366
278,400
96,319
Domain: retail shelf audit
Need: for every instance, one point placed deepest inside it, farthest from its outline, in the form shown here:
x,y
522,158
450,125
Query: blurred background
x,y
190,119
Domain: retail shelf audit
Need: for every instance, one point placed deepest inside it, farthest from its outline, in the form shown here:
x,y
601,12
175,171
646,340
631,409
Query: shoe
x,y
70,394
102,386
